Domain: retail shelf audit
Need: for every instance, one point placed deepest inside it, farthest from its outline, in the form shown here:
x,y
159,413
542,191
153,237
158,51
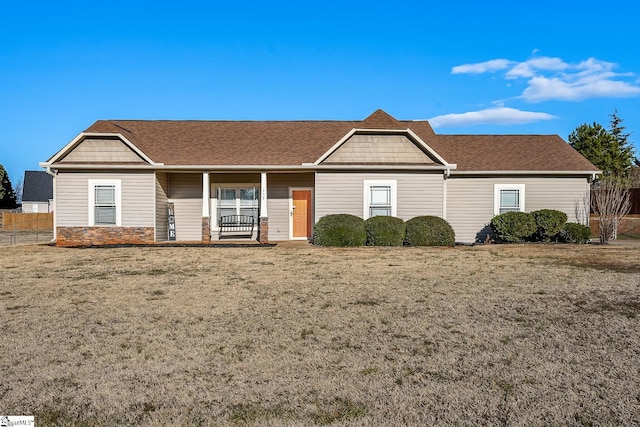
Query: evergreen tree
x,y
7,195
600,147
610,150
625,146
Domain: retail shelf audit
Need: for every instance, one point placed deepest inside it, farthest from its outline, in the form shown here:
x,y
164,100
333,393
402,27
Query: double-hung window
x,y
508,198
380,198
104,203
238,201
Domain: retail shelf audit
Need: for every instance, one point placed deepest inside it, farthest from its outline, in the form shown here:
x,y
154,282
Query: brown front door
x,y
301,213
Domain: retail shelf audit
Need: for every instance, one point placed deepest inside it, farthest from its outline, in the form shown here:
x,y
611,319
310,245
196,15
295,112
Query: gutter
x,y
303,167
53,173
525,172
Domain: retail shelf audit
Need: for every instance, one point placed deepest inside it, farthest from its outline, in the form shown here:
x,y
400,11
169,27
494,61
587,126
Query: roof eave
x,y
231,168
525,172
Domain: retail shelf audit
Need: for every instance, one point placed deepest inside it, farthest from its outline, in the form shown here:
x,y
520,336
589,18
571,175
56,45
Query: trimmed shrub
x,y
574,233
384,231
339,230
513,227
549,222
429,231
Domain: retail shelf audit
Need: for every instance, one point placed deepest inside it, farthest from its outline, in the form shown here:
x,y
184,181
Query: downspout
x,y
54,174
447,173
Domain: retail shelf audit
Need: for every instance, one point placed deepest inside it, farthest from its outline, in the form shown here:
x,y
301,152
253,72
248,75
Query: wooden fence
x,y
629,226
13,221
635,201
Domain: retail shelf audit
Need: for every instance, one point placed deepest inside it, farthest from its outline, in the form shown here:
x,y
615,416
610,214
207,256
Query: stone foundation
x,y
263,233
206,229
97,236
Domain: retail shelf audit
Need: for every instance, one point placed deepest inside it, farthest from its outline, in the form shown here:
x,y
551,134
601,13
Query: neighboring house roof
x,y
37,186
287,143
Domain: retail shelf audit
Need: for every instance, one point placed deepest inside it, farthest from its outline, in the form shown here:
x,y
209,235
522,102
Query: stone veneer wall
x,y
263,233
97,236
206,229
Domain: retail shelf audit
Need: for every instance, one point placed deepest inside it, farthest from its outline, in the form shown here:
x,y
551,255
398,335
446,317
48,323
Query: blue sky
x,y
469,67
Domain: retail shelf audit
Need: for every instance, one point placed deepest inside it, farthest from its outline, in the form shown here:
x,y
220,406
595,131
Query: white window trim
x,y
214,199
496,195
92,199
367,195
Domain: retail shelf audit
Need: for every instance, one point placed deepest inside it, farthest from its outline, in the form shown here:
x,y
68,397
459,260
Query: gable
x,y
379,149
102,150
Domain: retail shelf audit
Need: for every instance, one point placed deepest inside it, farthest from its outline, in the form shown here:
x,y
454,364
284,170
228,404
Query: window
x,y
380,198
104,202
238,201
508,198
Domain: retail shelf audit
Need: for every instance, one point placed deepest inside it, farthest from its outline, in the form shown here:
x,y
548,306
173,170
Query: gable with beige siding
x,y
379,149
111,150
138,201
470,200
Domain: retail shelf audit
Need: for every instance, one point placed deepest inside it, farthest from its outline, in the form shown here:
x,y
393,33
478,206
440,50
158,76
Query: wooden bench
x,y
236,226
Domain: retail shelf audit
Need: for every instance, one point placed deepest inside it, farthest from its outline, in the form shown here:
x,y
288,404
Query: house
x,y
37,192
115,181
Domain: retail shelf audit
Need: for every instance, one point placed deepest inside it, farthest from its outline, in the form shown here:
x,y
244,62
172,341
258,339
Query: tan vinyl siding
x,y
185,191
162,184
250,179
102,150
278,201
188,219
417,193
72,192
470,201
378,149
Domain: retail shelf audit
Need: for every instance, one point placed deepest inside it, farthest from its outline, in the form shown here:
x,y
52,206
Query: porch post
x,y
206,215
263,233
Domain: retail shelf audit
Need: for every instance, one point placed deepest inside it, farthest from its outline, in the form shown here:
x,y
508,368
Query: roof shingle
x,y
37,186
295,142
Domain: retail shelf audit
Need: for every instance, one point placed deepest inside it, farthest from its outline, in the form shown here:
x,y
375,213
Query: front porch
x,y
280,203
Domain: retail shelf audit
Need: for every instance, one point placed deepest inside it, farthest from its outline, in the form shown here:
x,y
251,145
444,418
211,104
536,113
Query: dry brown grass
x,y
500,335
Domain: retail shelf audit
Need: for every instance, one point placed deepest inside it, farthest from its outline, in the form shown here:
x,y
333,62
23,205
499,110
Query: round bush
x,y
512,227
429,231
549,222
574,233
384,231
339,230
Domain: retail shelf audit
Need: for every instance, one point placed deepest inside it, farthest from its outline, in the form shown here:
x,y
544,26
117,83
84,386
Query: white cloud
x,y
542,89
482,67
551,78
530,67
496,116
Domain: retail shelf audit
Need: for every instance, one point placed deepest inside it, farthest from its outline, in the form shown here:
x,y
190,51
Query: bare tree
x,y
581,209
18,190
611,203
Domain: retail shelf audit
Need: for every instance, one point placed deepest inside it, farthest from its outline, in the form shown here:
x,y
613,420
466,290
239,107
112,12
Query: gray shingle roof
x,y
37,187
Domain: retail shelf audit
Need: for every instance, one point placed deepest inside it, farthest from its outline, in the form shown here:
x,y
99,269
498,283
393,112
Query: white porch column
x,y
263,195
205,194
206,216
